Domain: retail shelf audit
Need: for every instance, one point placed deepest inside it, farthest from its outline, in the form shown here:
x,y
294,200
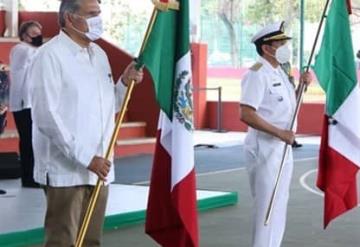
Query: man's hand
x,y
130,73
287,136
100,167
306,78
3,109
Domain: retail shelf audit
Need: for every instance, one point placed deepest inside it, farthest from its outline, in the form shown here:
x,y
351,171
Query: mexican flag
x,y
339,159
171,218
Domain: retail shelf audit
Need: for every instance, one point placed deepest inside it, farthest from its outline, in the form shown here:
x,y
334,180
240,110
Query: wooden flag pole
x,y
95,193
299,99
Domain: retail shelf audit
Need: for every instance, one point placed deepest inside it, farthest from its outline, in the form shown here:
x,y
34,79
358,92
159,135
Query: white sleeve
x,y
46,75
120,91
20,60
20,57
252,90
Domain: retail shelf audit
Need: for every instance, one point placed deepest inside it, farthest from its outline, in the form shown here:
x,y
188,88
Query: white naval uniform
x,y
269,91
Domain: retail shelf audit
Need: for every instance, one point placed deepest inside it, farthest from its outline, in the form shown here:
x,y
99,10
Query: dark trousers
x,y
24,127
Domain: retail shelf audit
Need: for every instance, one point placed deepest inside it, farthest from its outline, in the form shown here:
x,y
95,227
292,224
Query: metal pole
x,y
218,106
298,103
95,194
302,25
219,110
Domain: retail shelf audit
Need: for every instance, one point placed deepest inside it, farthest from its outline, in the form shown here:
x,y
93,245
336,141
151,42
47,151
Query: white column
x,y
11,18
195,6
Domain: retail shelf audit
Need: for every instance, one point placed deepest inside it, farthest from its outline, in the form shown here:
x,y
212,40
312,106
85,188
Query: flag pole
x,y
299,99
95,193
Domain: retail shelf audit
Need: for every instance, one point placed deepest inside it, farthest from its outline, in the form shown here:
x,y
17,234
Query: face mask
x,y
37,40
283,54
95,26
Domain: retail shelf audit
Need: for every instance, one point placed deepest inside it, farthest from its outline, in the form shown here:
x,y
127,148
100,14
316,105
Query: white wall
x,y
195,20
11,18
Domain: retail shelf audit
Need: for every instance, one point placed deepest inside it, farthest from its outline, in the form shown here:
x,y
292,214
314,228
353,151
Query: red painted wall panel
x,y
309,120
142,106
5,48
48,20
199,75
2,22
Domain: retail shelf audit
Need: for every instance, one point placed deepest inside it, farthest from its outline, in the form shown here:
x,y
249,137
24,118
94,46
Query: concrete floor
x,y
231,226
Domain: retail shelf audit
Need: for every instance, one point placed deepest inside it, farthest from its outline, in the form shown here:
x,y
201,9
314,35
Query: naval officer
x,y
267,105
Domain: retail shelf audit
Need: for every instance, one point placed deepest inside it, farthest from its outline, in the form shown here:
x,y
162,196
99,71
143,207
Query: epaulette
x,y
256,66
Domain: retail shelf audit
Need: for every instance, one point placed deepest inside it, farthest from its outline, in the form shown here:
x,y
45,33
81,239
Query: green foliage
x,y
265,11
125,24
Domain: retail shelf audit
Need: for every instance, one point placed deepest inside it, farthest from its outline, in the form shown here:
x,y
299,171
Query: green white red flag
x,y
171,217
340,145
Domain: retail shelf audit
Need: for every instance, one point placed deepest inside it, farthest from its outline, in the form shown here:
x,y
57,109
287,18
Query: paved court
x,y
231,226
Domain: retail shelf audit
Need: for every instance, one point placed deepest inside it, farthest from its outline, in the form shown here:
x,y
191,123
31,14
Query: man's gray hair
x,y
67,6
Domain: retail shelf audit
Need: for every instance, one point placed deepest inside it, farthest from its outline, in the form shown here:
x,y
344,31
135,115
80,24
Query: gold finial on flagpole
x,y
165,5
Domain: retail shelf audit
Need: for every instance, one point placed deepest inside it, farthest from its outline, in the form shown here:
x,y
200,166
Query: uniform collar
x,y
268,65
73,46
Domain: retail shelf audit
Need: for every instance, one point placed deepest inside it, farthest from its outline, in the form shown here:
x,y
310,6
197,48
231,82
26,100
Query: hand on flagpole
x,y
306,78
132,73
286,136
100,167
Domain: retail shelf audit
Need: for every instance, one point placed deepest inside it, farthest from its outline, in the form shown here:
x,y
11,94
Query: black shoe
x,y
30,184
2,192
296,145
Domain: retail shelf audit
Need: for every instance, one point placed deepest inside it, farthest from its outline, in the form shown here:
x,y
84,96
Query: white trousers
x,y
263,167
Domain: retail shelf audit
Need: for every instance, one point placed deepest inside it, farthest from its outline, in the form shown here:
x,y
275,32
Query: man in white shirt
x,y
74,101
21,57
267,105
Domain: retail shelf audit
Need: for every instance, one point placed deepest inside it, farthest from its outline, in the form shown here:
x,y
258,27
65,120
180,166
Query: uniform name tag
x,y
277,84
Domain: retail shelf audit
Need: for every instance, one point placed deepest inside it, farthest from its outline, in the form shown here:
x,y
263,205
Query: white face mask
x,y
95,26
283,54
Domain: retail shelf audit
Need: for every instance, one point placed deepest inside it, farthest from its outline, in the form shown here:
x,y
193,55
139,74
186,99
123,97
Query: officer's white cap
x,y
271,32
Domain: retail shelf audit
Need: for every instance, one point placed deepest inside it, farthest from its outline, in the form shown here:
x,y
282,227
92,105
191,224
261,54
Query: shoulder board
x,y
256,66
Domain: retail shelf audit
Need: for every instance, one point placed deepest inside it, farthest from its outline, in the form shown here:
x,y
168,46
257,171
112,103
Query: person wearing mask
x,y
267,105
21,56
3,100
3,110
74,101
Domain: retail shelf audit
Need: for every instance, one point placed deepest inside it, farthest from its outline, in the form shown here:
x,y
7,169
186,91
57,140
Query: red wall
x,y
309,120
2,22
5,48
230,116
142,106
199,75
48,20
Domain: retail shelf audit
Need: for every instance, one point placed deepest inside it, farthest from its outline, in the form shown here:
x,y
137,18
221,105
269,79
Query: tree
x,y
288,10
125,24
355,19
265,11
229,12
